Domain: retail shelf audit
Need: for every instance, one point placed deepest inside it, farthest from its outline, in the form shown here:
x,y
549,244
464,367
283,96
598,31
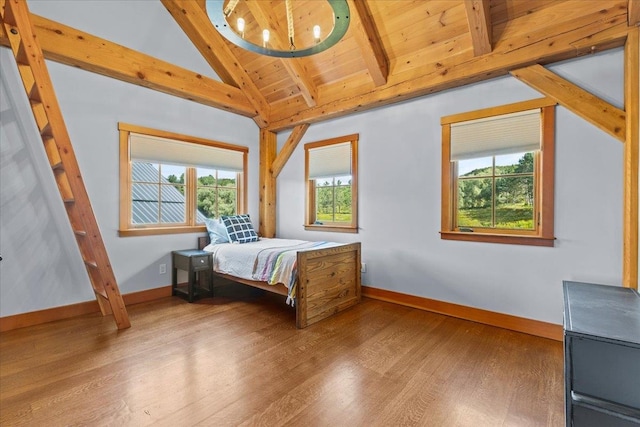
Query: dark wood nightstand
x,y
194,262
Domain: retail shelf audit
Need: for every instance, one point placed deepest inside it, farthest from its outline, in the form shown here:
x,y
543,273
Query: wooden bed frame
x,y
328,281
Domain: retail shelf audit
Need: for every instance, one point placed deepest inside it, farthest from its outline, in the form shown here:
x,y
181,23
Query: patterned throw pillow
x,y
239,228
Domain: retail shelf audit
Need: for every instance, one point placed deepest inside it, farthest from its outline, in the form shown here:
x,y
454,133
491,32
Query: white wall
x,y
399,200
141,25
41,266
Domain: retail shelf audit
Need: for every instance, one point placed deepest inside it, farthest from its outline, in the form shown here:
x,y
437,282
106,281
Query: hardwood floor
x,y
238,359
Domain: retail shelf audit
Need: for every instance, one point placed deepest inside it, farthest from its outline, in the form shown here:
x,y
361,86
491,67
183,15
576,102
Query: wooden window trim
x,y
126,228
152,231
332,228
310,219
545,164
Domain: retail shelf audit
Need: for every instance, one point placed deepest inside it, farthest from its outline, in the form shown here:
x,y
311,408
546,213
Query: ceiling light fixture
x,y
233,20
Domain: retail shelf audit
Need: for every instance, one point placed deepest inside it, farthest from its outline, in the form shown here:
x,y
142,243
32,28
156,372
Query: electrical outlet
x,y
163,268
363,267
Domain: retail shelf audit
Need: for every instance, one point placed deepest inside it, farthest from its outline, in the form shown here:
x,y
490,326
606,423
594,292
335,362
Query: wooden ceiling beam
x,y
193,19
294,66
479,18
368,39
586,105
288,148
633,9
301,79
203,47
69,46
608,32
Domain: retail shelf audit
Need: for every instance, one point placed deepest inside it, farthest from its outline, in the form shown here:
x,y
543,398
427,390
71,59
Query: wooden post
x,y
630,167
268,149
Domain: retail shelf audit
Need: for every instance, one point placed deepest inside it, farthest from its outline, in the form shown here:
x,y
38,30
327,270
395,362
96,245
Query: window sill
x,y
511,239
161,230
333,228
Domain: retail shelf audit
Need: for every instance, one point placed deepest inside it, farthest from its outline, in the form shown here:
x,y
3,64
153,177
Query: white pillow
x,y
217,231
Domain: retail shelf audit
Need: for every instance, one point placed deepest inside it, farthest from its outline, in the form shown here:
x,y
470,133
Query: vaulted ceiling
x,y
394,50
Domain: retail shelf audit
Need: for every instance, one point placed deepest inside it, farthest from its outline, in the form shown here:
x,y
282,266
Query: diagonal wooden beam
x,y
218,66
366,35
633,9
288,148
586,105
72,47
193,19
479,18
630,160
263,14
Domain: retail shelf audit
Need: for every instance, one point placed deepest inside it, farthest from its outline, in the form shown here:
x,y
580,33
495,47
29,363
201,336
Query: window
x,y
169,183
498,173
332,184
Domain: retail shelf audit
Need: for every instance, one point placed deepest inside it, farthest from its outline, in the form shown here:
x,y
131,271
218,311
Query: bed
x,y
323,278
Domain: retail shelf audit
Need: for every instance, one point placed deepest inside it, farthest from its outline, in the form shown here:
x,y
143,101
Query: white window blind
x,y
153,149
330,160
506,134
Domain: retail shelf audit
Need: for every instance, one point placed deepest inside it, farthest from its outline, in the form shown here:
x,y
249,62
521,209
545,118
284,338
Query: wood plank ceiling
x,y
396,50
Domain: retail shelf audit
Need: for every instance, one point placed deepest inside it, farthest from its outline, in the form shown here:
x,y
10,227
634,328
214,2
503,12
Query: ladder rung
x,y
96,279
34,94
64,186
75,220
69,201
91,264
31,86
27,77
52,152
9,18
21,55
46,130
42,120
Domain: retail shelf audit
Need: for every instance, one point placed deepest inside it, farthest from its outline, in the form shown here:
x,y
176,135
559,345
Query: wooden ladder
x,y
37,83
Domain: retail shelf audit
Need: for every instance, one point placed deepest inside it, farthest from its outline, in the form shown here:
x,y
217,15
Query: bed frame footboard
x,y
329,281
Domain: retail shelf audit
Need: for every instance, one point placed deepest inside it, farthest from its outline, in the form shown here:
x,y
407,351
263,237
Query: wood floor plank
x,y
237,359
53,361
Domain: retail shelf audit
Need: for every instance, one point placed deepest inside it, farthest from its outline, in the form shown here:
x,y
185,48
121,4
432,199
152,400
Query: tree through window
x,y
500,195
331,176
497,172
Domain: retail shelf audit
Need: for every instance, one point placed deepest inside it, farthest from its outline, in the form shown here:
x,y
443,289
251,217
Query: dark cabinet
x,y
194,262
601,355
